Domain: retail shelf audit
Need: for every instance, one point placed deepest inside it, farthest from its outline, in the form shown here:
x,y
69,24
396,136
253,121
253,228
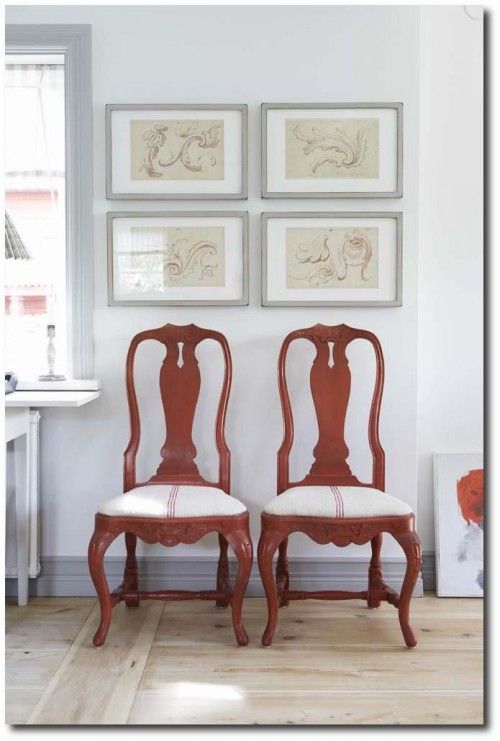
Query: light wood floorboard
x,y
322,708
178,664
37,638
98,686
312,626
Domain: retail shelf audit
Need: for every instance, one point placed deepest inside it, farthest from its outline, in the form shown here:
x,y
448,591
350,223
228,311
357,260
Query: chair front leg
x,y
268,543
131,574
410,543
223,572
99,543
241,543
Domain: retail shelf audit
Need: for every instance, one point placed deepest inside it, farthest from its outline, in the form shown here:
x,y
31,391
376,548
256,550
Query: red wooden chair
x,y
176,505
330,504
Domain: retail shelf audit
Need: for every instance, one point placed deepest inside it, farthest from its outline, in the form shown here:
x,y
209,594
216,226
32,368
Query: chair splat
x,y
330,389
180,389
180,384
330,382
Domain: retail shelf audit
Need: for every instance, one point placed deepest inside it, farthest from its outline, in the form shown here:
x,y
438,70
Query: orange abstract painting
x,y
459,518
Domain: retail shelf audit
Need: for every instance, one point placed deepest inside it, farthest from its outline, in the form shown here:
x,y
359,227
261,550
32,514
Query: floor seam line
x,y
44,687
93,606
145,664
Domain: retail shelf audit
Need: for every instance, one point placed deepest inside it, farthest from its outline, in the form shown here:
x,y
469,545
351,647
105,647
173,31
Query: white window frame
x,y
75,43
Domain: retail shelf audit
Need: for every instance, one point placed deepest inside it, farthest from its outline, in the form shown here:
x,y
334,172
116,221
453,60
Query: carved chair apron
x,y
330,504
176,505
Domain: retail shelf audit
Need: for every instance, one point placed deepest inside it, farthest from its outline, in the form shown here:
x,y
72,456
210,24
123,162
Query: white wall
x,y
241,54
450,348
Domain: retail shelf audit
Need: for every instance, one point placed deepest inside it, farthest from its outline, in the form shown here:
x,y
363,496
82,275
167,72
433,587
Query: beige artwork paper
x,y
184,149
337,257
332,148
176,257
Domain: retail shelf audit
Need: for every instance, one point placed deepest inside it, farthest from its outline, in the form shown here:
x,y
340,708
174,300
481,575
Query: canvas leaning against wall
x,y
459,522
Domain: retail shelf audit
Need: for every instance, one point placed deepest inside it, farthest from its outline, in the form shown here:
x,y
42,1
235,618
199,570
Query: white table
x,y
17,430
17,427
38,399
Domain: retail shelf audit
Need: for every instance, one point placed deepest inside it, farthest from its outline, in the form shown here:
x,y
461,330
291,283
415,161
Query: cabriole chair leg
x,y
268,543
99,543
410,543
241,543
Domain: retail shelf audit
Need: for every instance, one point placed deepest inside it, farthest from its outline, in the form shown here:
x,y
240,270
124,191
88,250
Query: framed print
x,y
332,150
181,151
177,257
331,259
459,522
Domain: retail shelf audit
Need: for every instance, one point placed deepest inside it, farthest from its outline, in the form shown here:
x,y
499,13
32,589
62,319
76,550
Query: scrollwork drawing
x,y
318,258
190,261
332,148
168,257
194,256
332,258
177,150
344,150
356,251
153,140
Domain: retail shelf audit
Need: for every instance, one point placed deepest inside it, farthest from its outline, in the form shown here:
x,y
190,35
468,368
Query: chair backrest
x,y
330,381
179,388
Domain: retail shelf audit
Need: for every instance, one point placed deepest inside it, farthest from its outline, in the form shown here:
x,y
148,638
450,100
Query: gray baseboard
x,y
429,571
65,576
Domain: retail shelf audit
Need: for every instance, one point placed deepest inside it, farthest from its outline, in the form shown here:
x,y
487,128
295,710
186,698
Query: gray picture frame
x,y
397,215
112,195
112,215
396,193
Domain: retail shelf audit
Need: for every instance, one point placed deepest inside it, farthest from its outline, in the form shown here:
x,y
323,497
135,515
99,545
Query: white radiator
x,y
34,496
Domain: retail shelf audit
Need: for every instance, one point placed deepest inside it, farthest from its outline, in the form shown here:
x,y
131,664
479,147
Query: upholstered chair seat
x,y
336,501
172,500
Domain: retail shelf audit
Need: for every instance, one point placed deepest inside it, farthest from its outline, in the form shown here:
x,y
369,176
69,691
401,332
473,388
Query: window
x,y
48,199
35,290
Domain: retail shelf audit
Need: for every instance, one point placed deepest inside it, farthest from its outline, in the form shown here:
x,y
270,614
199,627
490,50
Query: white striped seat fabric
x,y
336,501
166,501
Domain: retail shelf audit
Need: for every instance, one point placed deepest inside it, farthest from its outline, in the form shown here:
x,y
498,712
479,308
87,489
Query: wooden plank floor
x,y
179,664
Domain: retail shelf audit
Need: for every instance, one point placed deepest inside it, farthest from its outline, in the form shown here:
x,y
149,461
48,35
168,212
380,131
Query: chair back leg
x,y
282,575
131,574
222,584
375,573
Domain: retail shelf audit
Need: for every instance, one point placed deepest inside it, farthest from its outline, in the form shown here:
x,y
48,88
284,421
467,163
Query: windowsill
x,y
70,384
40,399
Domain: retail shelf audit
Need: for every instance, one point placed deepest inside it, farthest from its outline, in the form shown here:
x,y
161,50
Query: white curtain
x,y
34,134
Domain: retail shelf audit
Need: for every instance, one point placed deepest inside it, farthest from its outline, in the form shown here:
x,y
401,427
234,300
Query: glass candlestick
x,y
51,357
